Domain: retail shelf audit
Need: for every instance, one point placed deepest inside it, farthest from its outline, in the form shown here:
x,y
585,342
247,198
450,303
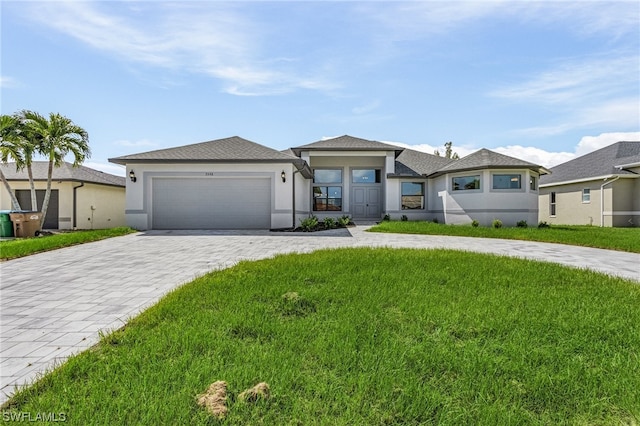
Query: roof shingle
x,y
484,159
347,143
233,149
66,172
598,163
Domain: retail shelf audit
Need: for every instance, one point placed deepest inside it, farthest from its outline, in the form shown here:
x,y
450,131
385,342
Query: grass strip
x,y
12,249
622,239
368,336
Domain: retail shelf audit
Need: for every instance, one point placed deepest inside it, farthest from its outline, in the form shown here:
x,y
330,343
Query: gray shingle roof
x,y
347,143
598,163
485,159
412,163
66,172
233,149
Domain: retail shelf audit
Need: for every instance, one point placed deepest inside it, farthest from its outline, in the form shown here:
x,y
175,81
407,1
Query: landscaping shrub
x,y
344,220
309,224
497,223
404,218
330,223
475,223
522,224
544,225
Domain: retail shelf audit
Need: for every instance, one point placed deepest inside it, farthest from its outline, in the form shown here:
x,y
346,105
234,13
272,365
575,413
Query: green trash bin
x,y
6,226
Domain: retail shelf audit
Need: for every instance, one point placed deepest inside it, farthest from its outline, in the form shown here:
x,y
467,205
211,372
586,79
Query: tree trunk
x,y
34,199
14,200
47,194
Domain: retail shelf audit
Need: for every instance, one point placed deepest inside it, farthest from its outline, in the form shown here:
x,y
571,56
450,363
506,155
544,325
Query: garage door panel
x,y
212,203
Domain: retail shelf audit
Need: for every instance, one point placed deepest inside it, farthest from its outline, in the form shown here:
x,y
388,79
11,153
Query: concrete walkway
x,y
55,304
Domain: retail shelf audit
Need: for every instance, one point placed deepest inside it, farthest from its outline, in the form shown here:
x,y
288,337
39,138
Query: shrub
x,y
330,223
522,224
497,223
435,220
386,218
404,218
309,224
475,223
544,225
344,220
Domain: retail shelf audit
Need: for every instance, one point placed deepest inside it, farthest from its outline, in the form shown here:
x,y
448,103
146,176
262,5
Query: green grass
x,y
12,249
623,239
374,336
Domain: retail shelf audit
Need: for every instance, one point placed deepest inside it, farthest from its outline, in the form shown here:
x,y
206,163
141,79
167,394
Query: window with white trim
x,y
507,181
462,183
412,195
552,204
327,197
586,195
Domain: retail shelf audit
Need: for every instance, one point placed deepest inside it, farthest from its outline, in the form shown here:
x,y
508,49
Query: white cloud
x,y
368,107
211,38
114,169
138,143
592,143
7,82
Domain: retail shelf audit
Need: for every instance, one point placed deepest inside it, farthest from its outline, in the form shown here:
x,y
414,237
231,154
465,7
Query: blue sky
x,y
542,81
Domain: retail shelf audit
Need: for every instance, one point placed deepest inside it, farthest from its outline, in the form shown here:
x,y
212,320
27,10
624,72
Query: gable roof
x,y
66,172
411,163
485,159
233,149
347,143
597,164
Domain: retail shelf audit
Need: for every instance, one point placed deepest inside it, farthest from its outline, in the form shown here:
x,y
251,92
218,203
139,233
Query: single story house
x,y
600,188
234,183
81,197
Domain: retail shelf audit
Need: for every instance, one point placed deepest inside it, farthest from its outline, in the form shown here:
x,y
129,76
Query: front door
x,y
365,201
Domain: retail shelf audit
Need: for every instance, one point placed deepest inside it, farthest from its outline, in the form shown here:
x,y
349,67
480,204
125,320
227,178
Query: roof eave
x,y
534,167
125,161
588,179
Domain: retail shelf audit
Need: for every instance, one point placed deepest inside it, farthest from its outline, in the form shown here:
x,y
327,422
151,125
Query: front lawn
x,y
368,336
623,239
10,249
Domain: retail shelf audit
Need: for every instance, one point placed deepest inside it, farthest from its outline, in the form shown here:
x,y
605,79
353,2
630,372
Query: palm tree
x,y
29,145
56,137
10,148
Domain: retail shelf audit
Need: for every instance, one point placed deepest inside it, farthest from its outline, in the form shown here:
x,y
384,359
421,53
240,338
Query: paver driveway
x,y
54,304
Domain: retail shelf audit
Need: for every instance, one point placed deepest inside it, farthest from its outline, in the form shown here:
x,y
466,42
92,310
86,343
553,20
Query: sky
x,y
542,81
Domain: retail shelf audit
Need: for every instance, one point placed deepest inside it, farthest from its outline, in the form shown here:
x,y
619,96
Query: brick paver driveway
x,y
54,304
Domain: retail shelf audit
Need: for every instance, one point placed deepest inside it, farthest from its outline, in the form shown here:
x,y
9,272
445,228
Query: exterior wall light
x,y
132,176
283,175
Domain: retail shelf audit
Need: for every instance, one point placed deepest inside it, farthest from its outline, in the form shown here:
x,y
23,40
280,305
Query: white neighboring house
x,y
81,197
234,183
601,188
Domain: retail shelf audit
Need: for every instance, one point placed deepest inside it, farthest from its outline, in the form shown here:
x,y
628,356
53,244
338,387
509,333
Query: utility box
x,y
25,223
6,227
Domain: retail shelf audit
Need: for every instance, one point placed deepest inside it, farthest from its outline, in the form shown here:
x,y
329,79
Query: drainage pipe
x,y
75,205
602,199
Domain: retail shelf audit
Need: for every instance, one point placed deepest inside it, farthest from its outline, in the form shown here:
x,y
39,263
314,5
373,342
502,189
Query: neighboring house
x,y
600,188
235,183
81,198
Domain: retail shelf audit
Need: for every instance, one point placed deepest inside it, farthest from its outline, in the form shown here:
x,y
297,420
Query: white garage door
x,y
213,203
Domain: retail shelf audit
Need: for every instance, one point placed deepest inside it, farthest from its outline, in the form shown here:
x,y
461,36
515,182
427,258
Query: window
x,y
586,195
511,181
327,176
365,176
552,204
466,182
532,183
329,197
412,195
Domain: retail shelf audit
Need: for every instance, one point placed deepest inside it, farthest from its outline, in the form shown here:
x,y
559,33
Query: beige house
x,y
601,188
81,198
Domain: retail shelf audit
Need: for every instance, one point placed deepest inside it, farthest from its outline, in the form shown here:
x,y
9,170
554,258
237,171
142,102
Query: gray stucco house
x,y
600,188
235,183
